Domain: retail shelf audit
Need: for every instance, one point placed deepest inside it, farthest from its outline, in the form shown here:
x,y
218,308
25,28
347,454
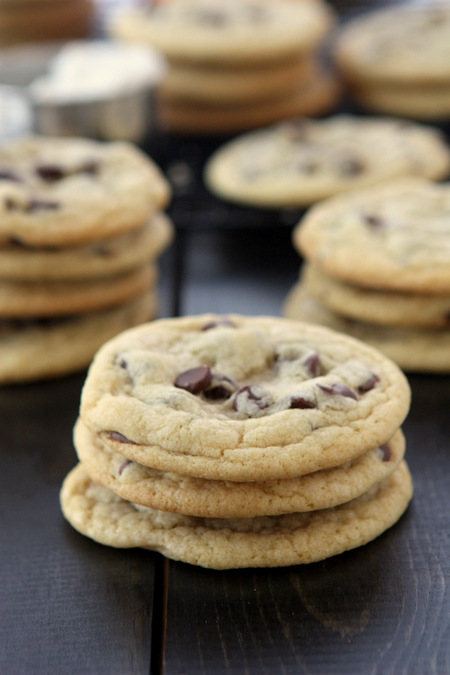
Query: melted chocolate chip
x,y
221,387
312,365
34,205
117,436
123,466
373,220
5,174
308,168
351,166
338,390
10,204
90,166
50,172
368,384
385,452
219,323
300,402
194,380
209,17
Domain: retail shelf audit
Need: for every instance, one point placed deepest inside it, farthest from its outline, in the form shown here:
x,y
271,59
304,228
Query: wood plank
x,y
68,605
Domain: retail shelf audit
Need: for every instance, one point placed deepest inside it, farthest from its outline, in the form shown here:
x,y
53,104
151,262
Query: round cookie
x,y
231,86
268,541
299,162
226,499
310,98
233,32
102,258
242,398
54,298
36,349
402,44
373,306
394,237
70,191
414,350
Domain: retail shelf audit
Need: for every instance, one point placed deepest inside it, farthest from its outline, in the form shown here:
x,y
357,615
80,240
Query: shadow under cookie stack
x,y
81,230
231,442
377,266
235,65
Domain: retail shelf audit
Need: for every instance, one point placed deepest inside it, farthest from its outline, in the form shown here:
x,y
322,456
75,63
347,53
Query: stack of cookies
x,y
81,228
397,60
238,64
299,162
378,268
232,442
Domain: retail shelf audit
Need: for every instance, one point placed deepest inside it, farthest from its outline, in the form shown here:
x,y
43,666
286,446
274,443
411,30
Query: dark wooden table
x,y
69,606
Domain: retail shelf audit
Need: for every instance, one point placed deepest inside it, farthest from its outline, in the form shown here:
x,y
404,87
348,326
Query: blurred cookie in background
x,y
298,162
236,65
396,60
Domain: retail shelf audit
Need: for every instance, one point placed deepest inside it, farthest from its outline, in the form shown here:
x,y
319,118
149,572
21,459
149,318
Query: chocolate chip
x,y
368,384
219,323
5,174
300,402
117,436
351,166
256,396
90,166
194,380
312,364
221,387
308,168
385,452
373,220
34,205
123,466
50,172
210,17
10,204
338,390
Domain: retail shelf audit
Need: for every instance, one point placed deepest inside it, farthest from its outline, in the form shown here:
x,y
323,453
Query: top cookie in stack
x,y
80,230
239,441
397,60
238,64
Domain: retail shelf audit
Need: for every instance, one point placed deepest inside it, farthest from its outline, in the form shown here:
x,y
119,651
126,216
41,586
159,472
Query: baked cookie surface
x,y
226,499
298,162
393,237
271,541
70,191
236,31
241,398
407,44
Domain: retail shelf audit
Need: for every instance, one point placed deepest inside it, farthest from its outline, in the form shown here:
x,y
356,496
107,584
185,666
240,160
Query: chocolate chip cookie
x,y
240,399
296,163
